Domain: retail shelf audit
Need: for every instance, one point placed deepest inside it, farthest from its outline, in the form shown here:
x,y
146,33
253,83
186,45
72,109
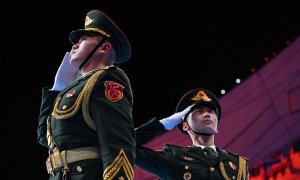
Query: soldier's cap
x,y
99,22
198,97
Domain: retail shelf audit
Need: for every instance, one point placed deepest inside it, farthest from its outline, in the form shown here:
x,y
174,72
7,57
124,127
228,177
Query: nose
x,y
206,114
75,46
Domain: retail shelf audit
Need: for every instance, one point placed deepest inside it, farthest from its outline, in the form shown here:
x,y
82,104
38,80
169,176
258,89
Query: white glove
x,y
171,121
65,74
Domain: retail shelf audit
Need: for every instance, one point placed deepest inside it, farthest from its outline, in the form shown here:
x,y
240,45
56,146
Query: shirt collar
x,y
202,147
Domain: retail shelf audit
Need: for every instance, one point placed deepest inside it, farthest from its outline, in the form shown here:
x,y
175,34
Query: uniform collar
x,y
202,147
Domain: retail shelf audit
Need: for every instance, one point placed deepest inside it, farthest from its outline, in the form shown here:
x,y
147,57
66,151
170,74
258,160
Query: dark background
x,y
176,46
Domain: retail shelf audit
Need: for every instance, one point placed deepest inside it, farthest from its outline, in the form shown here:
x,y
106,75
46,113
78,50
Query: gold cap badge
x,y
201,96
88,21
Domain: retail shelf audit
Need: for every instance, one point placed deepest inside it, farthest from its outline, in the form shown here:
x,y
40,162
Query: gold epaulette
x,y
82,99
242,172
127,80
236,155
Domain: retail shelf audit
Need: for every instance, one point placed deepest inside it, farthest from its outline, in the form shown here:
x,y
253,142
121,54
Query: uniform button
x,y
212,168
64,107
79,168
233,177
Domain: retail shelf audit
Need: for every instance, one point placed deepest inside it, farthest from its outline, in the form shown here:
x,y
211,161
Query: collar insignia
x,y
187,158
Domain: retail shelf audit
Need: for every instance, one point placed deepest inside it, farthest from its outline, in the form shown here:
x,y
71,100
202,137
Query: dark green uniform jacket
x,y
94,110
175,163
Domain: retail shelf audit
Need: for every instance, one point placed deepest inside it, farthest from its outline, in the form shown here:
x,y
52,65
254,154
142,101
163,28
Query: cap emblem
x,y
201,96
88,21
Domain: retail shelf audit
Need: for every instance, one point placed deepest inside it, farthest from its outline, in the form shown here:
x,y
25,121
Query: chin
x,y
74,63
208,131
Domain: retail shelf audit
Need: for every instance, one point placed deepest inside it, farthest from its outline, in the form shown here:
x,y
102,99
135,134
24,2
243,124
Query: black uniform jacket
x,y
94,110
175,163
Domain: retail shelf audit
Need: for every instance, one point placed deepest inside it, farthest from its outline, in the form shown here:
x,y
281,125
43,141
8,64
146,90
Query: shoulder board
x,y
244,157
175,147
126,78
236,154
111,67
172,146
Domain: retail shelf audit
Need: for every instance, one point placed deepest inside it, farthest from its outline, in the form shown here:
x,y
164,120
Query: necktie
x,y
210,153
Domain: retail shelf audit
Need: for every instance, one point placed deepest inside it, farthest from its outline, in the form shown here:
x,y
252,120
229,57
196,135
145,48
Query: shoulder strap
x,y
242,168
87,91
127,79
242,172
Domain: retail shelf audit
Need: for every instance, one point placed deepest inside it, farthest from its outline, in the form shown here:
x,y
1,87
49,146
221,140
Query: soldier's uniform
x,y
174,162
88,126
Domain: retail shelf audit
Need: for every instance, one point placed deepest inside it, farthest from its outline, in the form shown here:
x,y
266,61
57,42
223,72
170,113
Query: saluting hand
x,y
171,121
65,74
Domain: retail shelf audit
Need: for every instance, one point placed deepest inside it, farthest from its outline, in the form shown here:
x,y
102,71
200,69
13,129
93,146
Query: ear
x,y
216,131
185,126
105,48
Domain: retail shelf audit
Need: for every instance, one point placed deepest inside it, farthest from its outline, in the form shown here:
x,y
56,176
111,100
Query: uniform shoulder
x,y
171,146
115,68
175,148
234,154
115,71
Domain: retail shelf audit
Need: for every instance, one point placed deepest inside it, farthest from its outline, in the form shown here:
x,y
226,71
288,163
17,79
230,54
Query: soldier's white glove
x,y
171,121
65,74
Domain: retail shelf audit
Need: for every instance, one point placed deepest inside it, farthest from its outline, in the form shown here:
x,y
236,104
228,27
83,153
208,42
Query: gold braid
x,y
241,173
223,171
64,114
85,102
121,161
83,99
242,168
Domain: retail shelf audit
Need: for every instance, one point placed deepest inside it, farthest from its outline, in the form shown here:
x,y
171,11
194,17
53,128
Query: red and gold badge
x,y
201,96
232,165
113,91
70,93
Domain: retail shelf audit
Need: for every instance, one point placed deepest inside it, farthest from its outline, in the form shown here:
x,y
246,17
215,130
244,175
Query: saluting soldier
x,y
86,117
197,115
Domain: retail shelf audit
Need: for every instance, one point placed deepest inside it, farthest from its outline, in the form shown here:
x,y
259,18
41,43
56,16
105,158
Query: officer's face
x,y
203,120
82,49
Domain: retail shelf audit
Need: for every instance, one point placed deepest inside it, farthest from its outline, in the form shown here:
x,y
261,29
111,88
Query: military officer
x,y
197,115
85,119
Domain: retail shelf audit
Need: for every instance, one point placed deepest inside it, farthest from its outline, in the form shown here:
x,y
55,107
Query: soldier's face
x,y
203,120
82,49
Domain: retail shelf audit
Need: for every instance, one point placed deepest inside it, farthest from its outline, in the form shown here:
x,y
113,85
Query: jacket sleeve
x,y
148,131
146,158
155,162
48,98
111,110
